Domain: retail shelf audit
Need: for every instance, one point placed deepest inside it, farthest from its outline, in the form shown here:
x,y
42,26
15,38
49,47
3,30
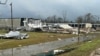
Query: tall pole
x,y
11,17
78,32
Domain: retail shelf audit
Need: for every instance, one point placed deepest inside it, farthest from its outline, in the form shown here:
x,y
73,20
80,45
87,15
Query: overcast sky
x,y
45,8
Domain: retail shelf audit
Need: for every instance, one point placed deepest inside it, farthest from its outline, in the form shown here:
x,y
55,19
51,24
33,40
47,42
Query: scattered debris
x,y
15,35
59,39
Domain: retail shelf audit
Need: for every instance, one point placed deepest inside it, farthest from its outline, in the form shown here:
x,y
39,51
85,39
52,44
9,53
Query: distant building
x,y
6,22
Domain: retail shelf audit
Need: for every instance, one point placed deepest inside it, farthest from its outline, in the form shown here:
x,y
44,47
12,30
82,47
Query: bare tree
x,y
54,19
60,20
51,19
89,18
64,15
79,19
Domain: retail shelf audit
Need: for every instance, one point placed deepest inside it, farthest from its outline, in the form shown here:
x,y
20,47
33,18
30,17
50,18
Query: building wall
x,y
7,22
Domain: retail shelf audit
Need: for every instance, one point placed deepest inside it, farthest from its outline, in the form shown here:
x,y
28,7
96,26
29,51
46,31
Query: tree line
x,y
87,18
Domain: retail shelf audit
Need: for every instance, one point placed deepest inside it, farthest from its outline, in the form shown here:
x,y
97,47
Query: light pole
x,y
78,32
11,17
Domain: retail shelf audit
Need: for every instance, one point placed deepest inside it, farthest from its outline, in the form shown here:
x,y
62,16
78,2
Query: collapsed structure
x,y
38,25
15,35
30,24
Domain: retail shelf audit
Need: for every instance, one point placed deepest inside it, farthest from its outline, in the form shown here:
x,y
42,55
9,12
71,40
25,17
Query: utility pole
x,y
11,17
78,32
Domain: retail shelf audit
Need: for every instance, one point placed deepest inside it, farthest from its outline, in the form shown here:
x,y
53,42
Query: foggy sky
x,y
45,8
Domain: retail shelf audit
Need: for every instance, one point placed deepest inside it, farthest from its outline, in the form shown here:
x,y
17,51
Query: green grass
x,y
84,49
34,38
